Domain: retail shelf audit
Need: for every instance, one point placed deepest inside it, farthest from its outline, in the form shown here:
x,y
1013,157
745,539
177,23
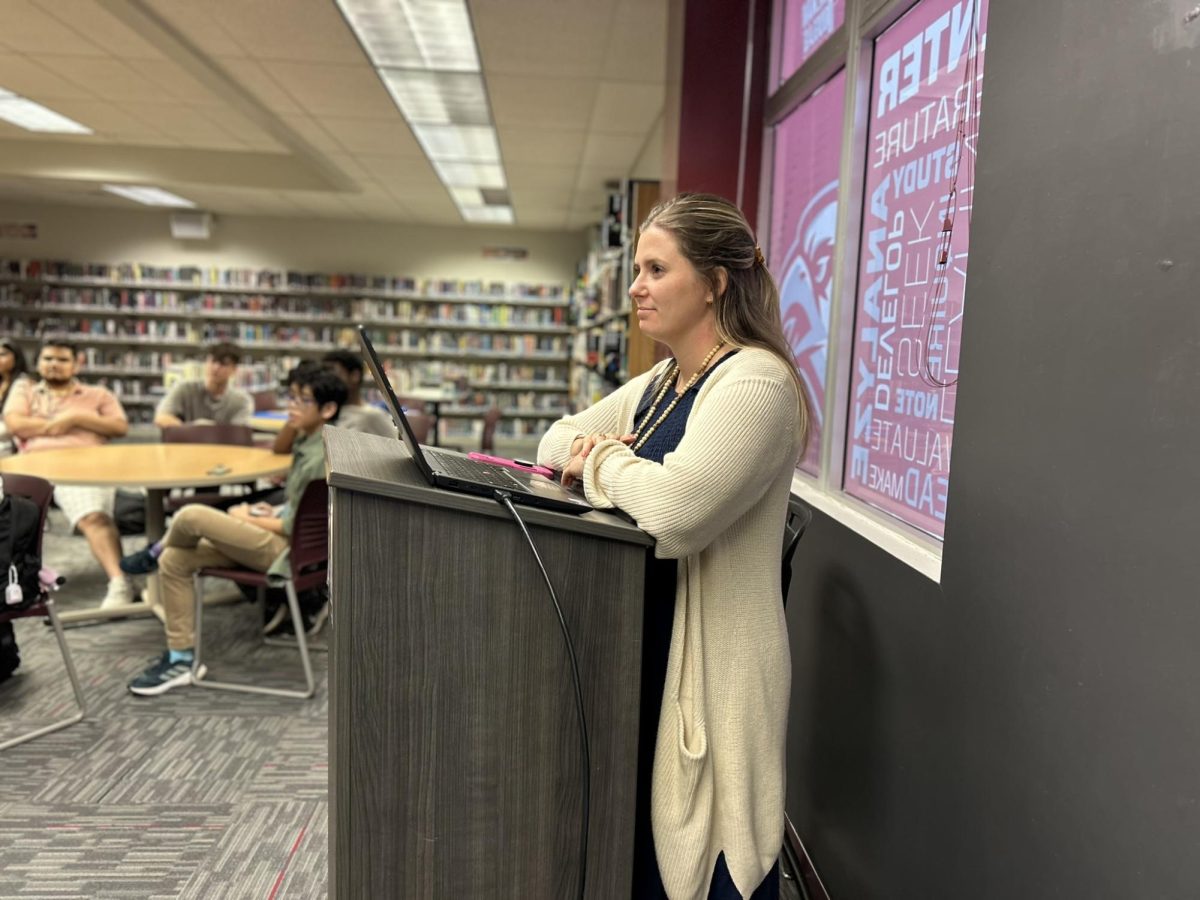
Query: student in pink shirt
x,y
59,411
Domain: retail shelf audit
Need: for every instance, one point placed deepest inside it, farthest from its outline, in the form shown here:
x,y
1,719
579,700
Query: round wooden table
x,y
156,467
271,422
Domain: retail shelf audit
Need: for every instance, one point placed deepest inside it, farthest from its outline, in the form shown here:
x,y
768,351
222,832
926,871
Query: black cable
x,y
505,500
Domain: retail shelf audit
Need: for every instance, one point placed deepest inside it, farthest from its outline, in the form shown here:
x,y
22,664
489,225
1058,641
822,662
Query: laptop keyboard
x,y
469,470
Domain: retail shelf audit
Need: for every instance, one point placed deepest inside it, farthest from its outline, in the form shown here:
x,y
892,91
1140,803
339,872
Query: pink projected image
x,y
918,193
803,230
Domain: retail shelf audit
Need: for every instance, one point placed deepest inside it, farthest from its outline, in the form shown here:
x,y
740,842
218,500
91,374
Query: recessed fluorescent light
x,y
467,196
414,34
496,214
425,54
468,174
34,117
458,143
151,196
438,98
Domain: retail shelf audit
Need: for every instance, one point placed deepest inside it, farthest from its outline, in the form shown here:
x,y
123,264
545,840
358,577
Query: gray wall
x,y
1031,728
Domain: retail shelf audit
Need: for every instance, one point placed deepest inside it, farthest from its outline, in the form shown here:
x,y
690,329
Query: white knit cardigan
x,y
717,504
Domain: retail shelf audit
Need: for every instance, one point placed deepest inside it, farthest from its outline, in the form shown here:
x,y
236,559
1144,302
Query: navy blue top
x,y
666,436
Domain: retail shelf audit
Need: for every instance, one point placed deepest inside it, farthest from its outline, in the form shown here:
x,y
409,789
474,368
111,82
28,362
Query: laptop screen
x,y
406,432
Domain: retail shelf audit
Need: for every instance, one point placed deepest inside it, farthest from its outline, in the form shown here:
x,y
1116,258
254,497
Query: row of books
x,y
248,334
91,303
274,279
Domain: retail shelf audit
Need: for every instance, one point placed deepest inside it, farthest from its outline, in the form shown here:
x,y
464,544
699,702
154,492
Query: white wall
x,y
103,235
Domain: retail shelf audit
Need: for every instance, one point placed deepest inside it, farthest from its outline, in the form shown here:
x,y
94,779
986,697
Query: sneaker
x,y
120,593
274,625
141,563
318,620
163,676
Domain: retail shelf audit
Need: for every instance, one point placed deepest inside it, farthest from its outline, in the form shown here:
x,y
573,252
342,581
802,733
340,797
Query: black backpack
x,y
20,561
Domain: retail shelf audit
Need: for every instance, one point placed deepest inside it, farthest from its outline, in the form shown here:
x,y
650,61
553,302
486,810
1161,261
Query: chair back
x,y
421,424
488,442
241,435
39,490
265,400
310,528
799,516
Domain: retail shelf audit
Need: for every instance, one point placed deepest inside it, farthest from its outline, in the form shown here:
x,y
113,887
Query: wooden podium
x,y
454,744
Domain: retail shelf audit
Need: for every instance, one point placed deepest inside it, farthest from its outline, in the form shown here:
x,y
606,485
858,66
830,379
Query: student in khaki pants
x,y
250,536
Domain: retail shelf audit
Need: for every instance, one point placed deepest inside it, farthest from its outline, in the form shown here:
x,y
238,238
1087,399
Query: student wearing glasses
x,y
254,536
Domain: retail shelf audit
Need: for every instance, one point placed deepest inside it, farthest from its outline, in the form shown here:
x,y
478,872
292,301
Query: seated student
x,y
211,401
252,536
355,415
12,369
57,412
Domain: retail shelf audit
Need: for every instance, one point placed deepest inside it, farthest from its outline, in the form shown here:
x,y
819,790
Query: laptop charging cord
x,y
505,499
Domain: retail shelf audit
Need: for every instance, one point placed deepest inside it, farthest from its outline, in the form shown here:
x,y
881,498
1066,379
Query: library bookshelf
x,y
499,344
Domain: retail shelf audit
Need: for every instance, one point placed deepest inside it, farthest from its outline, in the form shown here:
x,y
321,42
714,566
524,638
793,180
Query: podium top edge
x,y
370,464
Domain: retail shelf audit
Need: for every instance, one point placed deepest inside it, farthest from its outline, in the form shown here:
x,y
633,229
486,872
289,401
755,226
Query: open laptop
x,y
455,472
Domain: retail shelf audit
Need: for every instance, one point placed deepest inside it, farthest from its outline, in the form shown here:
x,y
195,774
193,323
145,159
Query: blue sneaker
x,y
163,676
141,563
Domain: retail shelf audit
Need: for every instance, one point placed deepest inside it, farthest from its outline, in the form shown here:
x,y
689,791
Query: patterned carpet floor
x,y
194,794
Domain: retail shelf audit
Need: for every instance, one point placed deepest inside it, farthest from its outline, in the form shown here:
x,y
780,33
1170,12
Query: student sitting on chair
x,y
58,412
355,415
211,401
254,536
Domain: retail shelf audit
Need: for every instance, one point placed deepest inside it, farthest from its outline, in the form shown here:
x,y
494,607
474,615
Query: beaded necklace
x,y
640,437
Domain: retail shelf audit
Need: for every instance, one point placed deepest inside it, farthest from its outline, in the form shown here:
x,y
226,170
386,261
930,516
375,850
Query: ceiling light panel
x,y
414,34
466,143
426,56
500,215
150,196
469,174
31,116
438,98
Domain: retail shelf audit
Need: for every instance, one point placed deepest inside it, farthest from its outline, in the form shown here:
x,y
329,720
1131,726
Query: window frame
x,y
851,47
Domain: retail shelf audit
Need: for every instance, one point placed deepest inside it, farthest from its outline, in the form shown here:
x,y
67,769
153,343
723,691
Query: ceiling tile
x,y
628,108
91,20
335,90
176,81
533,37
28,29
257,81
637,49
312,131
613,153
106,118
521,100
398,171
537,145
111,79
373,137
309,31
196,23
529,175
37,80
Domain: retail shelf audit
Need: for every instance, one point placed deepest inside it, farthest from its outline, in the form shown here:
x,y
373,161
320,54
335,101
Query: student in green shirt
x,y
254,536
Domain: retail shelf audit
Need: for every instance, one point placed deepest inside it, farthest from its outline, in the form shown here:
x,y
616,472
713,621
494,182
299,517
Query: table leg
x,y
437,421
156,526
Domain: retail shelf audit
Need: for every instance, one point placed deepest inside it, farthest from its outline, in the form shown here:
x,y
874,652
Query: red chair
x,y
211,433
265,400
40,491
309,563
490,419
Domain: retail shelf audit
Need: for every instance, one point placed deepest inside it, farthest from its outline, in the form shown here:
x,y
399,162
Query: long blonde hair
x,y
715,238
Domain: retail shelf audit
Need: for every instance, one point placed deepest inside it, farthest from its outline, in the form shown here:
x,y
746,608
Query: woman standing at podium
x,y
700,451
